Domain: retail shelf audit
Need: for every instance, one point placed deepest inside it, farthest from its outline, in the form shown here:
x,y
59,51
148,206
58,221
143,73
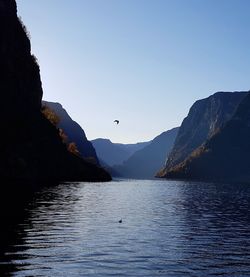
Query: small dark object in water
x,y
120,221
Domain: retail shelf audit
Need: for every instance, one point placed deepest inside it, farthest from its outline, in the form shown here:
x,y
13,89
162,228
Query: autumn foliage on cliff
x,y
55,119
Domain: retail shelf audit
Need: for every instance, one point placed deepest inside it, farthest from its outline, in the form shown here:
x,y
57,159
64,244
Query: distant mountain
x,y
205,118
225,156
133,147
115,153
73,131
145,162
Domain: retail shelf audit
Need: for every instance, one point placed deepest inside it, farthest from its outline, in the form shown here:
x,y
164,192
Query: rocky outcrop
x,y
30,146
205,118
73,131
225,156
144,163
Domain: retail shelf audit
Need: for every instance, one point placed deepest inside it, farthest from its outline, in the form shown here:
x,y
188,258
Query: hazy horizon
x,y
142,62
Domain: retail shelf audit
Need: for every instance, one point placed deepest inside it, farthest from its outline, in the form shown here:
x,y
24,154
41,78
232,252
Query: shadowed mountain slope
x,y
205,117
30,146
225,156
144,163
73,131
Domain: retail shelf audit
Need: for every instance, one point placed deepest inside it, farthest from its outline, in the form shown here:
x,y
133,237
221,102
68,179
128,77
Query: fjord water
x,y
168,229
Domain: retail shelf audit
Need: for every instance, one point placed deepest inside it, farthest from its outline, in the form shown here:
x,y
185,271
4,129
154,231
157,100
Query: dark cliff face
x,y
20,84
225,156
205,118
144,163
73,131
30,146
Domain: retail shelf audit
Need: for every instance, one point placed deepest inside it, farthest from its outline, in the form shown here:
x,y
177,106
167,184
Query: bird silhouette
x,y
116,121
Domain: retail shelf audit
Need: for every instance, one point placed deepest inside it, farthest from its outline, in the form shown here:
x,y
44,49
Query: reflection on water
x,y
168,229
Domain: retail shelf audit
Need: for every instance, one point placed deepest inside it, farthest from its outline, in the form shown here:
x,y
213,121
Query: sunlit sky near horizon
x,y
143,62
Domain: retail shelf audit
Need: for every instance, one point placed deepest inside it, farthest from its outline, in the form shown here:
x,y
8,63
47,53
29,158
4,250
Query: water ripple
x,y
168,229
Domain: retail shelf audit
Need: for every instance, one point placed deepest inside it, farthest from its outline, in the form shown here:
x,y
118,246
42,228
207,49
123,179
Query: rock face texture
x,y
111,154
73,131
144,163
205,118
30,146
225,156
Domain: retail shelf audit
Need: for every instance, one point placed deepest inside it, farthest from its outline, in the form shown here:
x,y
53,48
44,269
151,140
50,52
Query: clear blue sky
x,y
143,62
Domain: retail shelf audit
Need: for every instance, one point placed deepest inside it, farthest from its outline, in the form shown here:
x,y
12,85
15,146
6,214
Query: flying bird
x,y
116,121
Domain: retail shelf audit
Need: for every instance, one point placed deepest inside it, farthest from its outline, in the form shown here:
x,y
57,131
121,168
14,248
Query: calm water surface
x,y
168,229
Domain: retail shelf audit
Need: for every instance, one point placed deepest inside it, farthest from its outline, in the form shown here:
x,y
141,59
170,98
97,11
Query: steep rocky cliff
x,y
74,132
145,162
225,156
205,118
30,146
